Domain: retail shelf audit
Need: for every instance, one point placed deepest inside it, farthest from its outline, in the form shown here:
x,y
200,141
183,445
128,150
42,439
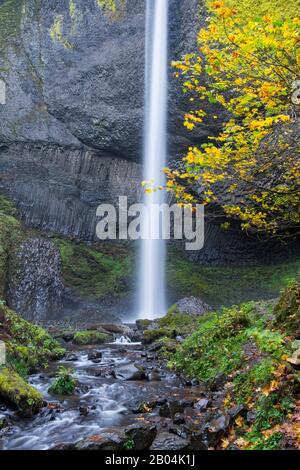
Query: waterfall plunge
x,y
152,276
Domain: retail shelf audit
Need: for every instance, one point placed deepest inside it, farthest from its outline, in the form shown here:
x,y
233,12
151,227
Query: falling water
x,y
152,277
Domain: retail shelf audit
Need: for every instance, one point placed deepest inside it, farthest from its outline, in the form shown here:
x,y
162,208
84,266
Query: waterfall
x,y
152,273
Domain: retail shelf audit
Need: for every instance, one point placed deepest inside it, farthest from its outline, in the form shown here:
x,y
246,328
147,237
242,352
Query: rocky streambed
x,y
125,398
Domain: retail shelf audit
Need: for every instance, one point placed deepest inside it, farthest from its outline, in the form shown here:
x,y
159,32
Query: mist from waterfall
x,y
152,271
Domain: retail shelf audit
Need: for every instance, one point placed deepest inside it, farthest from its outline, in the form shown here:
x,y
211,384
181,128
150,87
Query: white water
x,y
152,277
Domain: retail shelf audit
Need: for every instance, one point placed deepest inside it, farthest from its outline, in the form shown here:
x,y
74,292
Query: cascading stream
x,y
152,273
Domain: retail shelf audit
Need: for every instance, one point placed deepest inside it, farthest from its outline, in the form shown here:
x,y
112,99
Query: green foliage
x,y
152,335
10,238
216,345
247,65
82,338
178,322
64,384
98,271
247,345
247,382
128,444
18,392
28,346
287,311
268,341
7,207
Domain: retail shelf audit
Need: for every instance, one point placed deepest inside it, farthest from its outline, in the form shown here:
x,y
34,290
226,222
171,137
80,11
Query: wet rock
x,y
140,407
170,409
218,382
215,429
83,410
106,441
192,306
187,403
202,404
64,447
95,356
154,377
179,419
130,372
194,382
198,441
142,435
71,357
168,441
3,422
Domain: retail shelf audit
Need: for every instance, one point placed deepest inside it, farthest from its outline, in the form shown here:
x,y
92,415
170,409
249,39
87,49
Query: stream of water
x,y
101,401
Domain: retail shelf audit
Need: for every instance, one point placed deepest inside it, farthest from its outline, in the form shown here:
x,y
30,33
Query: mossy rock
x,y
29,347
143,324
97,271
13,388
84,338
182,323
152,335
287,311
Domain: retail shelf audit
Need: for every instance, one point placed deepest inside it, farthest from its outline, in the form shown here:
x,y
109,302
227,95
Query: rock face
x,y
75,73
35,289
192,306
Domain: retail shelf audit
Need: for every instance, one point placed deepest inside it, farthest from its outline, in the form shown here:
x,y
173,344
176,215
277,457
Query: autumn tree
x,y
247,66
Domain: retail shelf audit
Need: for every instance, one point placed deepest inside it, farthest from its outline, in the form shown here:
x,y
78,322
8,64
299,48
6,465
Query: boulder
x,y
168,441
141,435
130,372
202,404
14,389
71,357
171,408
192,306
94,356
110,440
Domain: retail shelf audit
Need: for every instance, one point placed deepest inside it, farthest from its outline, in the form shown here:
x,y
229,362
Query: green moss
x,y
181,323
143,324
10,239
82,338
152,335
98,271
28,346
287,311
217,344
17,391
229,285
10,20
113,8
64,384
7,207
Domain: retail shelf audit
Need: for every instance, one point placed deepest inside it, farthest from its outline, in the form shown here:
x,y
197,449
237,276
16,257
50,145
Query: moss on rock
x,y
13,388
82,338
152,335
97,271
28,346
287,311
